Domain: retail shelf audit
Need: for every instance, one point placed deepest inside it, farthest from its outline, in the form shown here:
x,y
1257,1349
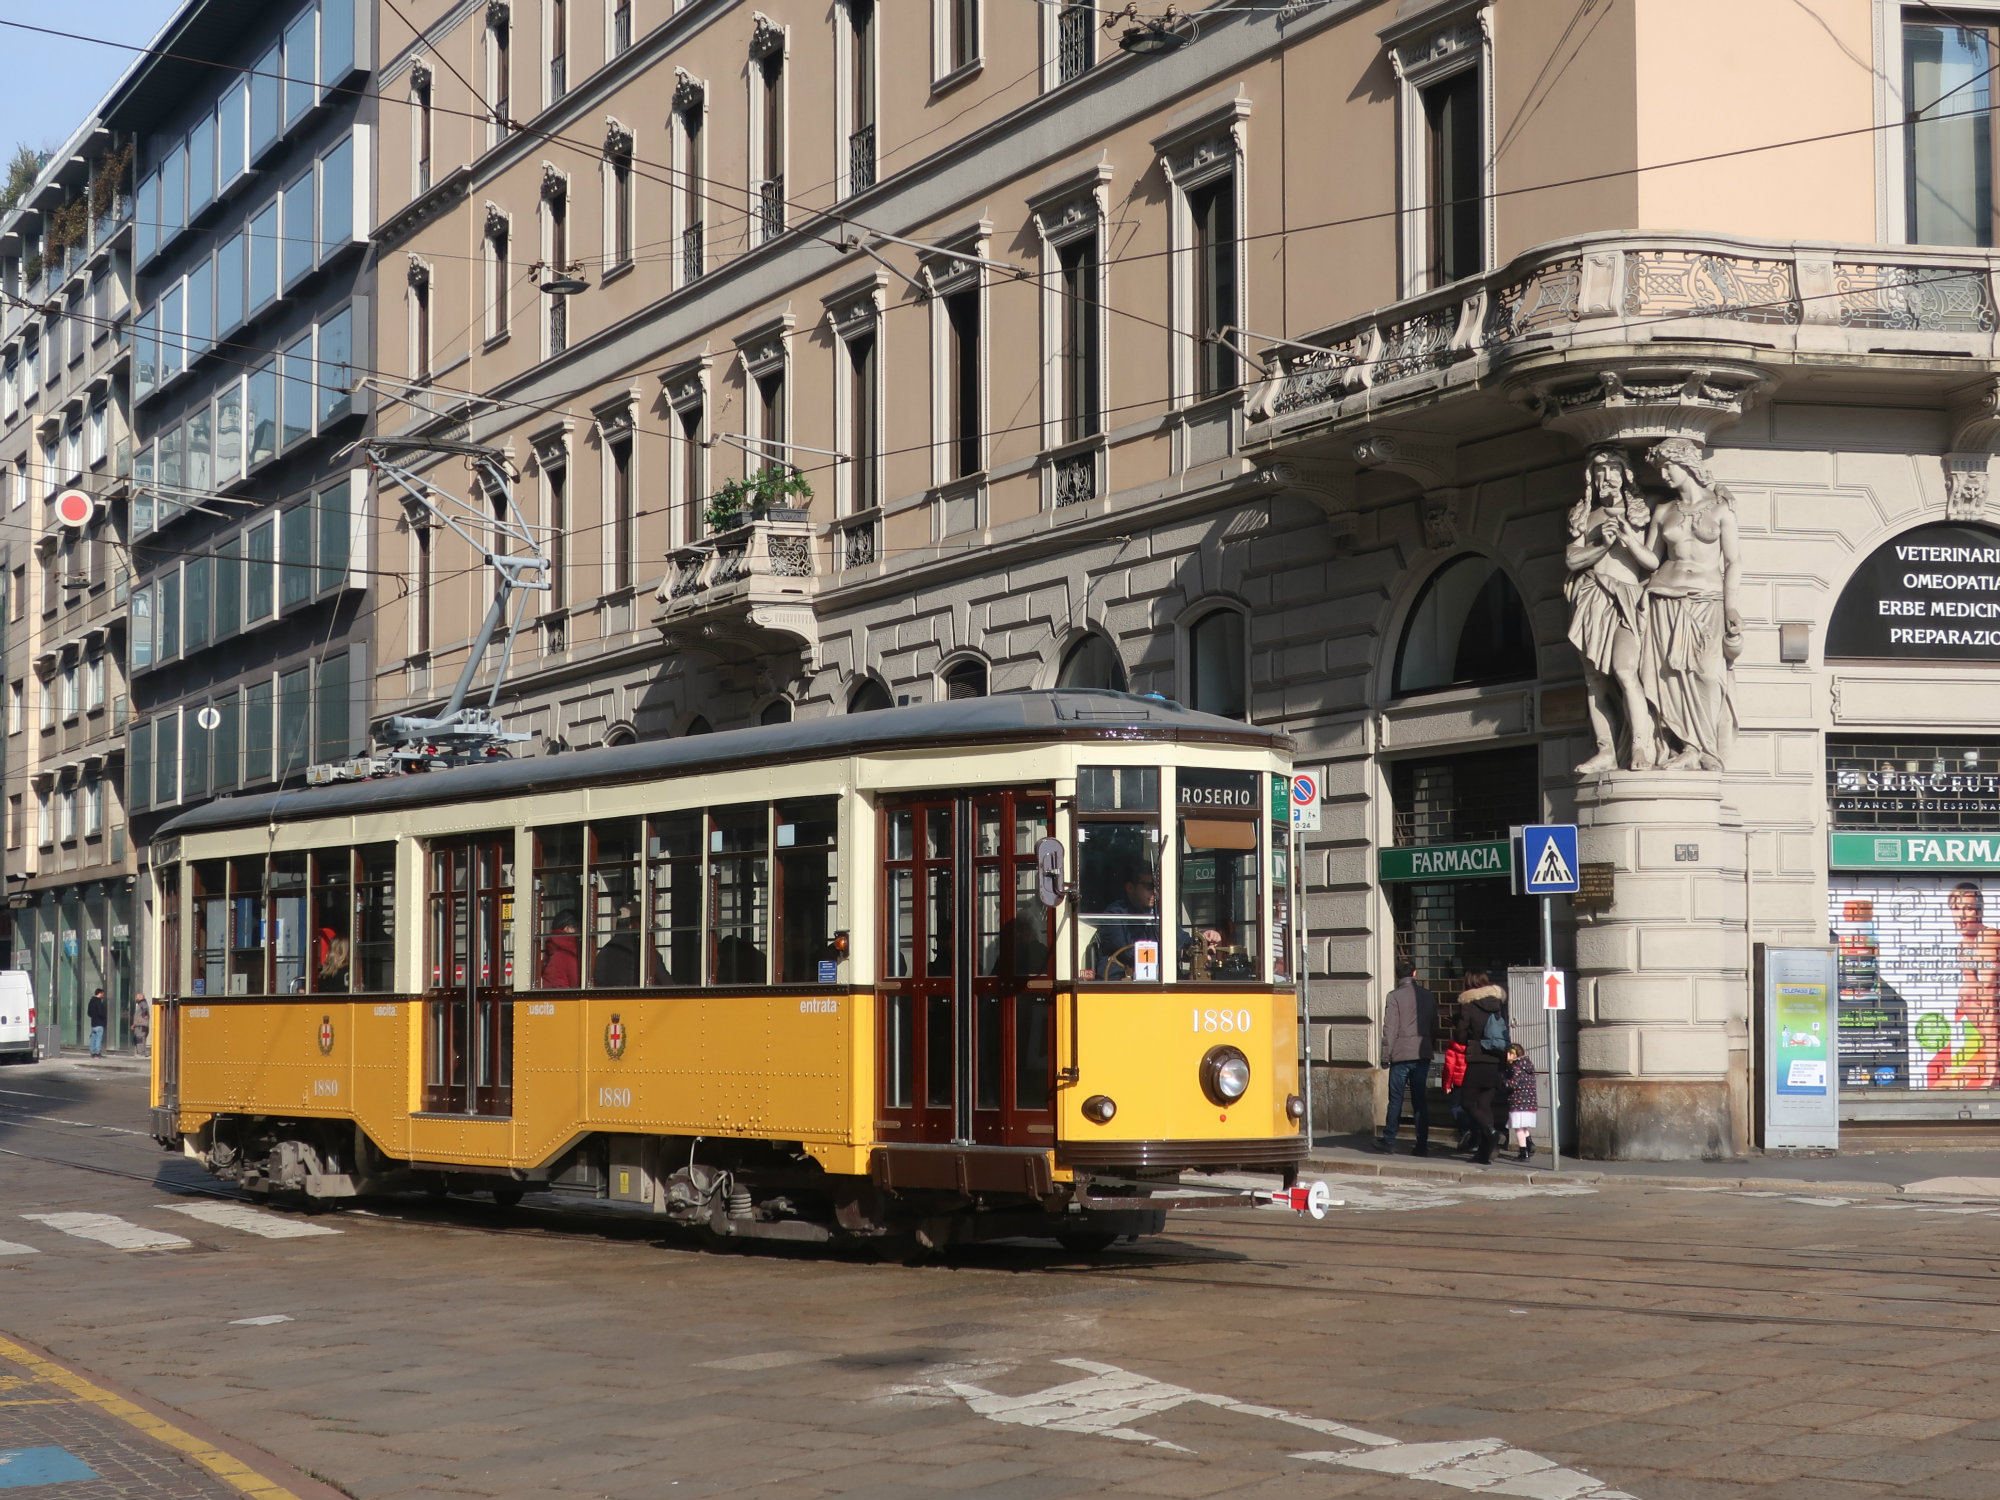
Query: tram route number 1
x,y
1221,1020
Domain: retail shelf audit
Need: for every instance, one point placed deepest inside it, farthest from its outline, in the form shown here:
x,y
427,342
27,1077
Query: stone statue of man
x,y
1609,561
1694,625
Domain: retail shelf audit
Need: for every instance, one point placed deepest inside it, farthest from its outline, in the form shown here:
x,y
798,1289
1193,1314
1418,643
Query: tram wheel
x,y
1086,1242
506,1197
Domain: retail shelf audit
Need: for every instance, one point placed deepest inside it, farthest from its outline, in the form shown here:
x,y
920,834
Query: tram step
x,y
1160,1202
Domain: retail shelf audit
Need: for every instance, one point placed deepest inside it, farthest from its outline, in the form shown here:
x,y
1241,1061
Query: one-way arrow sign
x,y
1549,855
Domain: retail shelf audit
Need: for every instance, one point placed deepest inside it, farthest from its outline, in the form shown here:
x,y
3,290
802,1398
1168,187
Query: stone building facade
x,y
1254,360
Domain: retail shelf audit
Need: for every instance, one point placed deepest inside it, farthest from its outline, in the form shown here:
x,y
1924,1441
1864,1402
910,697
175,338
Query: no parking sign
x,y
1305,803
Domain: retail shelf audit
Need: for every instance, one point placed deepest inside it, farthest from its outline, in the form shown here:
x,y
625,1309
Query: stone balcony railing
x,y
744,585
1620,292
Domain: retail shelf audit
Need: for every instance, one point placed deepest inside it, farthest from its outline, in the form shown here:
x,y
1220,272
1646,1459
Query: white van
x,y
17,1016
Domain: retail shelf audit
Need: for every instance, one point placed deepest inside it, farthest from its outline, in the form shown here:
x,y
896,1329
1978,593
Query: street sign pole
x,y
1299,947
1555,1033
1549,864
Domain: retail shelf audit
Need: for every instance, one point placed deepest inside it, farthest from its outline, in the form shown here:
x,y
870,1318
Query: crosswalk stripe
x,y
8,1247
109,1229
250,1220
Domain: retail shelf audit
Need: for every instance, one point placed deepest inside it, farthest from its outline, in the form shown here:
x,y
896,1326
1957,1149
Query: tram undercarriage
x,y
734,1190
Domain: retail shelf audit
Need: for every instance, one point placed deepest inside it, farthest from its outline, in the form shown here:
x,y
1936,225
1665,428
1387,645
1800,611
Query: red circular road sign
x,y
75,508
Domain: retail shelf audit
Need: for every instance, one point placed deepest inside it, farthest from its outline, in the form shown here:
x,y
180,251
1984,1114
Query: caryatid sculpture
x,y
1653,611
1609,562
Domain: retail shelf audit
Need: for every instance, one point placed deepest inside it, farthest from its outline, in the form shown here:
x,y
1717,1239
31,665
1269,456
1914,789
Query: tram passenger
x,y
1024,937
617,962
562,956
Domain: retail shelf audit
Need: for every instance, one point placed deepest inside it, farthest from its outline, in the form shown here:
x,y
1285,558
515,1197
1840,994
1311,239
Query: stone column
x,y
1663,975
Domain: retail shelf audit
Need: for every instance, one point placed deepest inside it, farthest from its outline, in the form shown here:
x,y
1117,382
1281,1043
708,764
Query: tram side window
x,y
1118,872
332,965
375,919
288,924
805,903
673,851
246,926
558,899
211,926
739,884
614,904
1220,899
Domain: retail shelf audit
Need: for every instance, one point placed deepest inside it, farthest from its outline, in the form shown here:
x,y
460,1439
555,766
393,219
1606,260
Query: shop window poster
x,y
1919,981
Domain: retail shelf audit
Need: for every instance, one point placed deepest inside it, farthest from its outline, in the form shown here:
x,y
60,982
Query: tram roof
x,y
1049,714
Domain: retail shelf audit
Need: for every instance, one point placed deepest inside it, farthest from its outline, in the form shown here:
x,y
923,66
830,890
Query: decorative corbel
x,y
1432,462
617,141
418,273
1965,476
555,187
498,14
497,226
688,93
766,36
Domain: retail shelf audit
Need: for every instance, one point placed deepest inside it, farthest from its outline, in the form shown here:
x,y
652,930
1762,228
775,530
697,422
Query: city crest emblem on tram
x,y
614,1038
326,1034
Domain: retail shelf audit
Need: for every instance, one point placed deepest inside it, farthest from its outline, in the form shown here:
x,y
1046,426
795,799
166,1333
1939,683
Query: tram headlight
x,y
1099,1108
1295,1107
1225,1075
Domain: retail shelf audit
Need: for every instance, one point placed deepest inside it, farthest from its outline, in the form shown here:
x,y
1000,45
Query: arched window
x,y
965,679
699,725
1216,665
777,711
1469,627
620,734
1093,663
868,697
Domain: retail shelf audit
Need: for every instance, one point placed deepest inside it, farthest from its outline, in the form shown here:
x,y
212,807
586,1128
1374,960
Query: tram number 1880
x,y
1221,1020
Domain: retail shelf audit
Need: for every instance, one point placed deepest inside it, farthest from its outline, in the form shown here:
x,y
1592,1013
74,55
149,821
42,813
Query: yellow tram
x,y
999,966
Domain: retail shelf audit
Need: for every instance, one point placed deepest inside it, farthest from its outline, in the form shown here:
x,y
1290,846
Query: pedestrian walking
x,y
1409,1030
1454,1093
142,1022
1482,1027
96,1014
1522,1104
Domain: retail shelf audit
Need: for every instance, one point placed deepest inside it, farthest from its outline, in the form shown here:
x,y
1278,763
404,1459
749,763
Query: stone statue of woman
x,y
1694,627
1608,563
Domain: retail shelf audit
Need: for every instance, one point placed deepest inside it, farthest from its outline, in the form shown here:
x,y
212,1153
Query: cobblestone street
x,y
1489,1336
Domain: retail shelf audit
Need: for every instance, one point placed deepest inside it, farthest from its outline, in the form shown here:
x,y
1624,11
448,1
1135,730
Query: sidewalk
x,y
79,1059
1940,1172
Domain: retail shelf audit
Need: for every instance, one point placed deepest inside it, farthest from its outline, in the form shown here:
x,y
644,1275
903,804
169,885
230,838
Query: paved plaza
x,y
1494,1333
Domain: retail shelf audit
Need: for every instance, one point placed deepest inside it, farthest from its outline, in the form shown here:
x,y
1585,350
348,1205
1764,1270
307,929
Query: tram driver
x,y
1118,950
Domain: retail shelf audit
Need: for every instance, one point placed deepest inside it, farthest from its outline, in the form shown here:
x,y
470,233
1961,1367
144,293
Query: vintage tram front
x,y
990,967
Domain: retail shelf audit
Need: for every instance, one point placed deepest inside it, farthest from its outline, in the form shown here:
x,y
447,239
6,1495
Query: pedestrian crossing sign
x,y
1549,857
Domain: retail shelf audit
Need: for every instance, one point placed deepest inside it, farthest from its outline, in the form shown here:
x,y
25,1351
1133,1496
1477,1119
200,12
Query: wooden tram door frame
x,y
951,1049
469,1005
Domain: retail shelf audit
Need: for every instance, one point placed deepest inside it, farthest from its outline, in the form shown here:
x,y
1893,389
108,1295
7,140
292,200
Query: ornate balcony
x,y
1588,331
745,591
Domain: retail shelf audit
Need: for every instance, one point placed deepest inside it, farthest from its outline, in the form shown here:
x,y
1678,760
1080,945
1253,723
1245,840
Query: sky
x,y
52,82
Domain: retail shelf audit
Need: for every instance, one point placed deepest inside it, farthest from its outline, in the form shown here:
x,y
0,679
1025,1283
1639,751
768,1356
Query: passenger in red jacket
x,y
562,957
1454,1082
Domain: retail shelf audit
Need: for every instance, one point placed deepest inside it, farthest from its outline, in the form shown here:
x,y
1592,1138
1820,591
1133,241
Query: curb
x,y
1416,1167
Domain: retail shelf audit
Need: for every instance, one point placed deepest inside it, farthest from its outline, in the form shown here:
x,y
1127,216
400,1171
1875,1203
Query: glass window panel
x,y
336,372
146,219
229,434
298,390
674,860
229,286
173,193
1220,899
808,887
331,970
334,524
739,895
198,472
1118,877
259,546
1216,660
173,444
146,351
230,133
166,758
173,332
139,770
287,934
1117,789
1948,88
257,737
336,40
615,903
260,421
295,556
195,606
558,904
227,757
375,919
169,623
335,727
301,66
336,197
194,760
201,166
142,627
266,94
294,720
300,253
263,234
228,586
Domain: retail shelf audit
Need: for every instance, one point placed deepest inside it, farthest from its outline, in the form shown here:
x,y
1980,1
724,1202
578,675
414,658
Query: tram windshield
x,y
1118,872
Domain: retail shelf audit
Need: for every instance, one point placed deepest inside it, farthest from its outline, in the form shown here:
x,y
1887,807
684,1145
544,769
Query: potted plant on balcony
x,y
759,497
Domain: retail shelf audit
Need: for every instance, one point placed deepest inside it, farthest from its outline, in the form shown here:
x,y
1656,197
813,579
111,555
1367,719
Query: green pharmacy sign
x,y
1914,851
1491,859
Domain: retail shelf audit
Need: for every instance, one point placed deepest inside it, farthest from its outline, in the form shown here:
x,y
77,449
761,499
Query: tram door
x,y
469,1007
967,1013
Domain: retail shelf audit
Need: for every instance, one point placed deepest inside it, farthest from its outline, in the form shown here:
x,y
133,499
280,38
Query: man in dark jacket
x,y
1478,1003
97,1015
1409,1027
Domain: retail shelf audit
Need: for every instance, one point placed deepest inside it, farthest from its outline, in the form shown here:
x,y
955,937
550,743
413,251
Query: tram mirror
x,y
1050,887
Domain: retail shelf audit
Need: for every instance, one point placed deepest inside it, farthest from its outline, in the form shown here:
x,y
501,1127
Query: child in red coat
x,y
1454,1080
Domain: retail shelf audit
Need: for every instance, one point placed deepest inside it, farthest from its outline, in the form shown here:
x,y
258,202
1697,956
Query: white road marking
x,y
8,1247
1408,1194
777,1359
264,1322
250,1220
90,1125
109,1229
1109,1400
